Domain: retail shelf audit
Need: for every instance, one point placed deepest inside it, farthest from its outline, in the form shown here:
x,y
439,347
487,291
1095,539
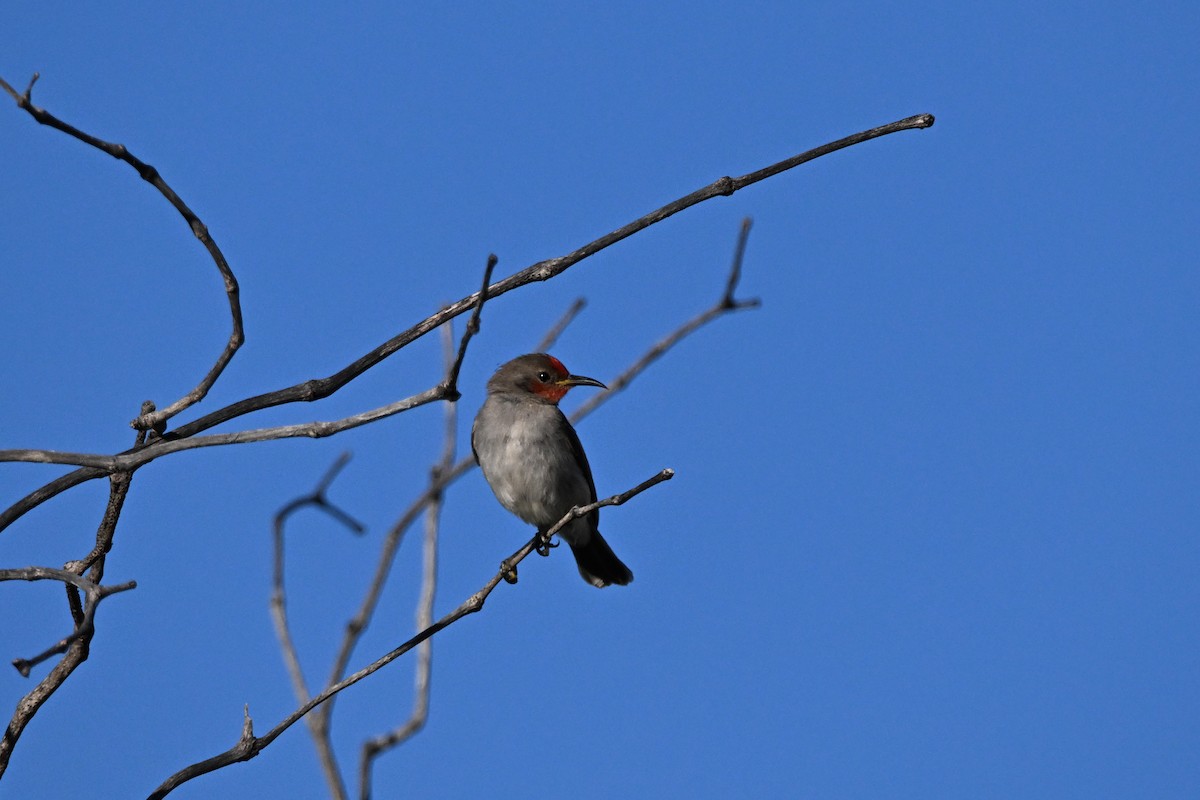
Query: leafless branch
x,y
84,625
133,459
543,270
735,271
317,498
249,745
157,418
377,745
76,646
451,383
724,305
557,330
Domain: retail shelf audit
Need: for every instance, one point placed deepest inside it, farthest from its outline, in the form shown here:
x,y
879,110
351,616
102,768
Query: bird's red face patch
x,y
551,390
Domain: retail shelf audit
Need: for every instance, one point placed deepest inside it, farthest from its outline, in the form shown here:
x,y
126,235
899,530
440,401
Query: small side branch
x,y
450,385
725,304
557,329
76,646
85,625
377,745
317,498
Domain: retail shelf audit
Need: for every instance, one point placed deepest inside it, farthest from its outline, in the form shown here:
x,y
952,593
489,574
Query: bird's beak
x,y
580,380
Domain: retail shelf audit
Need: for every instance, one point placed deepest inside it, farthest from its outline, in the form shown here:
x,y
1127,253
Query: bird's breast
x,y
528,460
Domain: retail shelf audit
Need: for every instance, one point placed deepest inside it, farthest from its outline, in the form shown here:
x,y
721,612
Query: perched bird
x,y
532,459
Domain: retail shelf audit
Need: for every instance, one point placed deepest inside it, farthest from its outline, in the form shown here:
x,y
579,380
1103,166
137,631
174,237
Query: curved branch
x,y
156,419
317,389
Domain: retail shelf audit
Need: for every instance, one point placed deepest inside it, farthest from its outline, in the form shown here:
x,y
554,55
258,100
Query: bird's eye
x,y
544,377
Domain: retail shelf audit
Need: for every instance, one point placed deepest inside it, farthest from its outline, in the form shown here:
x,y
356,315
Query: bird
x,y
534,463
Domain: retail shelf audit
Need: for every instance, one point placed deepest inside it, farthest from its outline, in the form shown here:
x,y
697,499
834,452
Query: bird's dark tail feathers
x,y
598,564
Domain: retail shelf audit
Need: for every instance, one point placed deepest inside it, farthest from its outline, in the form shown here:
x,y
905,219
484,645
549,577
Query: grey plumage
x,y
533,460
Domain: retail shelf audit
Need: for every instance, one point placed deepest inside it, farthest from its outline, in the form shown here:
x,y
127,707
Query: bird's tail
x,y
598,564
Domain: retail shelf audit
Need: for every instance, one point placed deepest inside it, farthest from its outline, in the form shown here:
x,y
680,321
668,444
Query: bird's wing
x,y
581,460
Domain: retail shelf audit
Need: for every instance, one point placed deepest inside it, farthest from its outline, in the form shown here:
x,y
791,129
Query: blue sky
x,y
933,530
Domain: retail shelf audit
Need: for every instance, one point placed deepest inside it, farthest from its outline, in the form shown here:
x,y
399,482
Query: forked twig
x,y
279,617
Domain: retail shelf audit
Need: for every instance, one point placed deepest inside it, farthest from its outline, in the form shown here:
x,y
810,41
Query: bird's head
x,y
538,375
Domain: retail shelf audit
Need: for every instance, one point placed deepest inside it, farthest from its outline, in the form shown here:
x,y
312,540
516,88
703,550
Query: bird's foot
x,y
544,545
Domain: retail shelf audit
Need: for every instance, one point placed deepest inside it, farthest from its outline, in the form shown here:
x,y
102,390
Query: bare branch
x,y
508,567
249,745
567,318
75,648
724,305
317,389
377,745
88,587
84,625
735,271
278,605
451,383
157,418
131,460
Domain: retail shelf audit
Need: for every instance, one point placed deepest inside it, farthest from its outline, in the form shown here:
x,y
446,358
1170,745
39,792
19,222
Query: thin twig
x,y
567,318
377,745
84,626
131,460
735,271
724,305
157,418
543,270
250,745
75,647
452,370
278,605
